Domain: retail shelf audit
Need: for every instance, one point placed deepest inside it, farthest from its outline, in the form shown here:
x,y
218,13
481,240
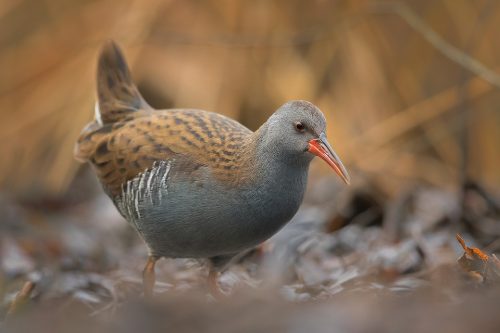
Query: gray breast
x,y
200,217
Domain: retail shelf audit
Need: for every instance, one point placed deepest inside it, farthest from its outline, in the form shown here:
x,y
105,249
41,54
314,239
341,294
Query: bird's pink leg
x,y
213,286
148,276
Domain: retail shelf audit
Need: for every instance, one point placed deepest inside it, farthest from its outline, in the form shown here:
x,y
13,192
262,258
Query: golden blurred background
x,y
410,88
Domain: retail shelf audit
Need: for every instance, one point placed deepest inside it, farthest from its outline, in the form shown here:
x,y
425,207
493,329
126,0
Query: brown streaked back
x,y
128,136
122,150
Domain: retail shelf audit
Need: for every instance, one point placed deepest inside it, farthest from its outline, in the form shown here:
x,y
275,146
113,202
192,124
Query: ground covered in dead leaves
x,y
359,263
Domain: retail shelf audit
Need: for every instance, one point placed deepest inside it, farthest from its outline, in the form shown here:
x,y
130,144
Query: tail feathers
x,y
117,95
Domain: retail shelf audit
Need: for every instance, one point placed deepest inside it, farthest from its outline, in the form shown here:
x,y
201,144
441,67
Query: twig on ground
x,y
21,298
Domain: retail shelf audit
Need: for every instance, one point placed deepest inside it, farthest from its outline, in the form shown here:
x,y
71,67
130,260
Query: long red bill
x,y
320,147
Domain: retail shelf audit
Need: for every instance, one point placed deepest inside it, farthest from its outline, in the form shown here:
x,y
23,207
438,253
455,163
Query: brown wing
x,y
128,136
121,151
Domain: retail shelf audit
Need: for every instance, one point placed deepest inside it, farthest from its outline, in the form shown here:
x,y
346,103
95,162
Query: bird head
x,y
296,132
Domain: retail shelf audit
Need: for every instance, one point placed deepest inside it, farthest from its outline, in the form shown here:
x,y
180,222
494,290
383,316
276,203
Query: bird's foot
x,y
213,285
148,277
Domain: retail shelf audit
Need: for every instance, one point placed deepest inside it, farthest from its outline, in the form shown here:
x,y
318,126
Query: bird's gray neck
x,y
280,180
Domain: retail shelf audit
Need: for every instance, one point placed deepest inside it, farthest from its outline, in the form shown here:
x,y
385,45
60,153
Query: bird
x,y
194,183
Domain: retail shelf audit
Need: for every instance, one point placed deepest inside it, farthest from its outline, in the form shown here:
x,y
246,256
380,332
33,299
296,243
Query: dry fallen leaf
x,y
478,264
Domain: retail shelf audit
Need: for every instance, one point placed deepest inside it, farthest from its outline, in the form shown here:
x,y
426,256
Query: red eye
x,y
300,127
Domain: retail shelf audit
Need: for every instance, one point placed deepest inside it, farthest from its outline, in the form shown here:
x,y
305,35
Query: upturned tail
x,y
117,98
